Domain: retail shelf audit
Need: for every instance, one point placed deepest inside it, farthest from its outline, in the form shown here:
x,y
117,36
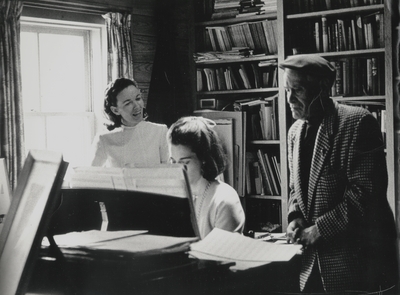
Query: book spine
x,y
267,185
317,37
353,30
346,76
339,78
325,44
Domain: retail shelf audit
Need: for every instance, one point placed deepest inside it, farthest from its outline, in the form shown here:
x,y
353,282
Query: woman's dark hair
x,y
110,99
197,133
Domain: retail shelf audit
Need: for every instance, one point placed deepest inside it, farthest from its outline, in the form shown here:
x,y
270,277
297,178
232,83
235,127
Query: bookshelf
x,y
228,52
357,38
297,25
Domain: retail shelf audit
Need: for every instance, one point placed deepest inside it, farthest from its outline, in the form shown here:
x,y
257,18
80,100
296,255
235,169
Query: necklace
x,y
203,196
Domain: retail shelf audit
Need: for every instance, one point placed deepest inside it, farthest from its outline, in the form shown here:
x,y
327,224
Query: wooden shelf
x,y
264,197
242,91
239,60
351,53
265,142
360,98
341,11
228,21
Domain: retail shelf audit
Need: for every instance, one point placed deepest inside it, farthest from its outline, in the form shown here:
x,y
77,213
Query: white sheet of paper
x,y
225,245
84,238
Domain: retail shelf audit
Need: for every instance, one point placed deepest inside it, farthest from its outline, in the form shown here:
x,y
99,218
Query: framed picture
x,y
38,189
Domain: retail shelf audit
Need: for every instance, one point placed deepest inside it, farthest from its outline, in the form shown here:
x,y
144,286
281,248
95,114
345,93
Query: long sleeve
x,y
99,156
365,179
164,153
293,205
222,210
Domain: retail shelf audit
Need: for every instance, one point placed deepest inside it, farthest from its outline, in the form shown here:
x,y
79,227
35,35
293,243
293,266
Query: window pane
x,y
30,71
71,135
62,72
35,132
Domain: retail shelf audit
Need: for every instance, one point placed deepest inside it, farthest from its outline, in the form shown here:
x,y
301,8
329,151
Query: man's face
x,y
298,94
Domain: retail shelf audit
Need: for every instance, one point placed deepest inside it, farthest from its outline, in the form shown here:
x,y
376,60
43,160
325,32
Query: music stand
x,y
33,201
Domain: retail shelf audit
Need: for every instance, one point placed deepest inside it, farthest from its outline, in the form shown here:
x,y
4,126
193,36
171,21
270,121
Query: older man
x,y
338,209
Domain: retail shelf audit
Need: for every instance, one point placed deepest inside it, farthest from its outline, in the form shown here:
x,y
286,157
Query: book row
x,y
359,77
333,34
262,117
303,6
236,77
260,36
359,32
263,175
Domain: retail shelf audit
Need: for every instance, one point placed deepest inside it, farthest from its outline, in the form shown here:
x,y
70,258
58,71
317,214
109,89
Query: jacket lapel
x,y
301,198
321,151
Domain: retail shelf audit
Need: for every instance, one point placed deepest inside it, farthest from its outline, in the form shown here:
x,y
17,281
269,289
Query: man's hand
x,y
294,229
308,236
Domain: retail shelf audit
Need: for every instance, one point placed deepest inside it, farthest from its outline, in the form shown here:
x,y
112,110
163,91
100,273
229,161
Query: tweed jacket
x,y
346,200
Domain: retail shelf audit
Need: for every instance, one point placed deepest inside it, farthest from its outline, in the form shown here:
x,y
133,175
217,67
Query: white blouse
x,y
143,144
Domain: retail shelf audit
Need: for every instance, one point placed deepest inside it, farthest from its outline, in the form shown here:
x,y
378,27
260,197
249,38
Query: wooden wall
x,y
162,33
144,39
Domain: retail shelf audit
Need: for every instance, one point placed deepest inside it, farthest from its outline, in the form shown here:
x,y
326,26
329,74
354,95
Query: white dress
x,y
143,144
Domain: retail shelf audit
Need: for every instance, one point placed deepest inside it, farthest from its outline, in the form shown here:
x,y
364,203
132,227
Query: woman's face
x,y
129,106
184,155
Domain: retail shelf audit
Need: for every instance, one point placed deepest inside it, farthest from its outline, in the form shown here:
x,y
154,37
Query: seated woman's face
x,y
129,106
184,155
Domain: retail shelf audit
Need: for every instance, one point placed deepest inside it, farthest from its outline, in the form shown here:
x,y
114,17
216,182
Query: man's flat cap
x,y
310,64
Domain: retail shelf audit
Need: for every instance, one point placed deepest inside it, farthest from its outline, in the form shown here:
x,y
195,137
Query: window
x,y
63,71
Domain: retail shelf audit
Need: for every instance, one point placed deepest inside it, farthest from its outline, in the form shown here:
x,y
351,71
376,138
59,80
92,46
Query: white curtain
x,y
120,63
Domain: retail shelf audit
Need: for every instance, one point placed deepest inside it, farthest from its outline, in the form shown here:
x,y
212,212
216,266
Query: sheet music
x,y
224,245
84,238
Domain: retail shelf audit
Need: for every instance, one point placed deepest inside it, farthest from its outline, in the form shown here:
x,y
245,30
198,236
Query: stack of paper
x,y
222,245
131,242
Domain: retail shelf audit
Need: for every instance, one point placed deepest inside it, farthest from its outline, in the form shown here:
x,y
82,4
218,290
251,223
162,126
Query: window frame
x,y
96,59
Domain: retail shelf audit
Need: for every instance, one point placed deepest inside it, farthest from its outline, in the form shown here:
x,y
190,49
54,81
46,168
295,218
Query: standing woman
x,y
131,141
193,142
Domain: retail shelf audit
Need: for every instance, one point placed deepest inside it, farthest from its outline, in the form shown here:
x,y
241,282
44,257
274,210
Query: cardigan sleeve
x,y
164,153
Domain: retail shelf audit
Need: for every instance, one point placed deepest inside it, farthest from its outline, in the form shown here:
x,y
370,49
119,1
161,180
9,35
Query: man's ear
x,y
115,110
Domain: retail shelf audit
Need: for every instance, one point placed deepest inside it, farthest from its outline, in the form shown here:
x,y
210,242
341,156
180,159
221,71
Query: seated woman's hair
x,y
197,133
110,99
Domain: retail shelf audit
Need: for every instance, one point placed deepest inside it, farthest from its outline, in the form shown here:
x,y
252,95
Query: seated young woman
x,y
192,141
131,140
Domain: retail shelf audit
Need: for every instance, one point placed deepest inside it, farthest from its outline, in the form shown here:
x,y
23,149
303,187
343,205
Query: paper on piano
x,y
166,179
84,238
133,242
224,245
145,244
